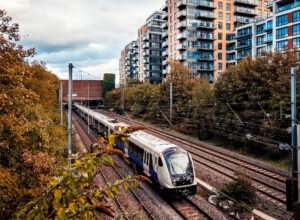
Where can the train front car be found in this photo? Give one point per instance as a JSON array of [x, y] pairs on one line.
[[181, 171]]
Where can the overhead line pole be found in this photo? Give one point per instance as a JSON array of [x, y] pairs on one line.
[[171, 102], [70, 110], [294, 134]]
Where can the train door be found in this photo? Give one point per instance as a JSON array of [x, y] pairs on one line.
[[145, 161]]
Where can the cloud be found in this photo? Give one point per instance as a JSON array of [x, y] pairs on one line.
[[89, 33]]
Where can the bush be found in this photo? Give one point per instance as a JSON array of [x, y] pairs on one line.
[[240, 190]]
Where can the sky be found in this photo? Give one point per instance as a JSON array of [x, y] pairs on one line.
[[88, 33]]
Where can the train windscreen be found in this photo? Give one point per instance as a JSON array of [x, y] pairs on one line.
[[179, 163]]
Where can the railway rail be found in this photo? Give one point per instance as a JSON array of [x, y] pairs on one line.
[[185, 207], [270, 184]]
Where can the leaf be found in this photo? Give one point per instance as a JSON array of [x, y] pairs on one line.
[[126, 186], [115, 189], [81, 201], [57, 195], [76, 163], [61, 213], [72, 207], [107, 159]]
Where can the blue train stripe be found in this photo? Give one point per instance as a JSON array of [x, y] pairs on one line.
[[138, 162]]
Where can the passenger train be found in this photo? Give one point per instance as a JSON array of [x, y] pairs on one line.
[[168, 165]]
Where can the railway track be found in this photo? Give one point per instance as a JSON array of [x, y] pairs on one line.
[[185, 207], [269, 184], [91, 138], [188, 210]]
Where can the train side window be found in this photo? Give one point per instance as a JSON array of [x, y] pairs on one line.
[[160, 162]]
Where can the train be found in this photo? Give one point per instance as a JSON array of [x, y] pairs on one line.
[[169, 166]]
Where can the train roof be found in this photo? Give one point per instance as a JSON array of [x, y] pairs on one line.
[[149, 141]]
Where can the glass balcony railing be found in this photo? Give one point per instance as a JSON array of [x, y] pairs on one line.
[[239, 46], [248, 2], [165, 44], [244, 10], [288, 7], [196, 3]]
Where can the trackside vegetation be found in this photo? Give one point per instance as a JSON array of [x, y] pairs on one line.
[[246, 109]]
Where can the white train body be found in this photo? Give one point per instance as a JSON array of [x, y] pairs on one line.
[[170, 166]]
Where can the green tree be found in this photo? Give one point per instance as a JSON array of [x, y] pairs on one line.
[[108, 82]]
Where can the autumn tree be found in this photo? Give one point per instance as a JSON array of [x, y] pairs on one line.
[[31, 140], [252, 100]]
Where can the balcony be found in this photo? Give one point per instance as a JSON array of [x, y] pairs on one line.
[[146, 61], [240, 46], [269, 28], [205, 14], [239, 56], [244, 34], [181, 14], [181, 25], [164, 34], [196, 57], [165, 44], [146, 45], [165, 16], [181, 36], [245, 20], [242, 10], [164, 62], [145, 38], [288, 7], [268, 40], [164, 26], [146, 54], [246, 2], [165, 71], [165, 53], [198, 3], [165, 6]]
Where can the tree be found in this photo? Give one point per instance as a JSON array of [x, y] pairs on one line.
[[252, 99], [108, 82], [30, 134]]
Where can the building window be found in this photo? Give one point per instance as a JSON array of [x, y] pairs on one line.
[[260, 28], [296, 42], [282, 45], [220, 36], [266, 3], [259, 3], [260, 50], [220, 45], [270, 37], [227, 6], [296, 16], [259, 12], [269, 47], [296, 29], [281, 20], [220, 56], [228, 16], [260, 40], [228, 26], [220, 66], [270, 25], [266, 13], [220, 15], [281, 33], [220, 25], [220, 5], [171, 19]]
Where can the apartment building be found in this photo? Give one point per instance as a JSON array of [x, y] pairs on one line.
[[151, 48], [128, 65], [191, 34], [231, 14], [279, 31]]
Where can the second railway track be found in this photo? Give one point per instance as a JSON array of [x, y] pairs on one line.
[[269, 184]]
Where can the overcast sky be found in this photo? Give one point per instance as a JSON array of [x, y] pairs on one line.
[[88, 33]]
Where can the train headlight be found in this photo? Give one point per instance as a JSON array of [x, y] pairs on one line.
[[191, 181], [174, 183]]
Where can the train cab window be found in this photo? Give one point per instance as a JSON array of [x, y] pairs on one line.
[[160, 163]]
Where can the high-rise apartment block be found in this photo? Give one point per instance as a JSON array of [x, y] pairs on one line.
[[129, 62], [277, 32], [150, 48], [209, 35]]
